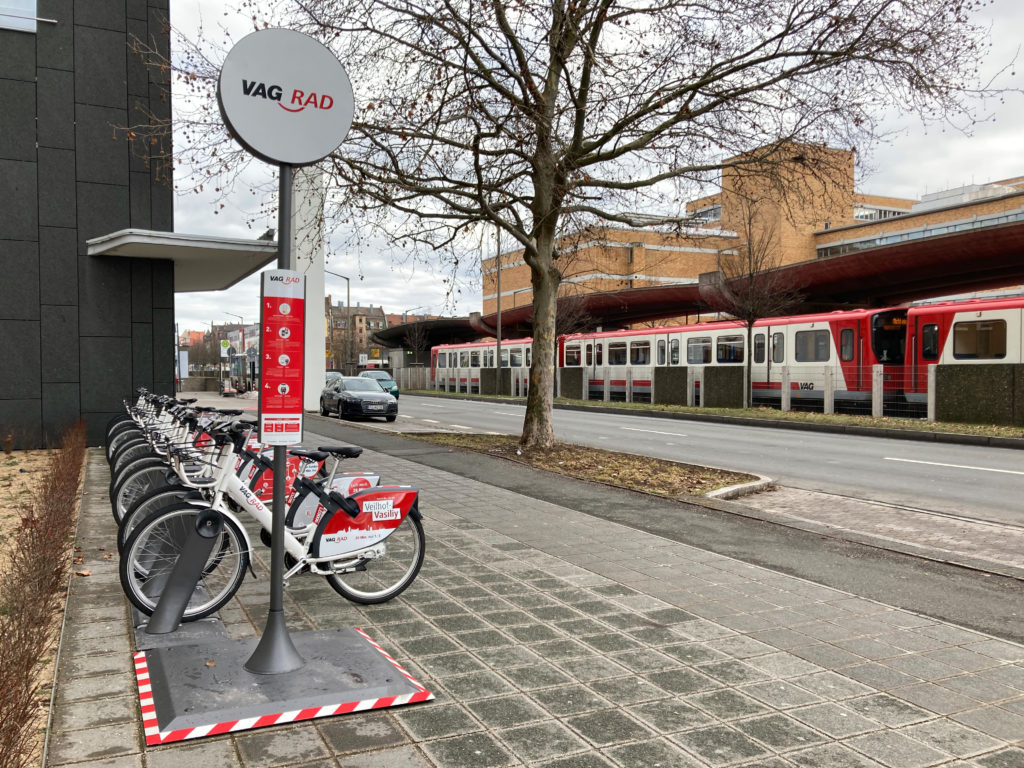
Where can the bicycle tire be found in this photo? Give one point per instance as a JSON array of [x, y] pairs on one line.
[[134, 485], [145, 506], [121, 438], [133, 466], [132, 452], [381, 579], [154, 547], [115, 423]]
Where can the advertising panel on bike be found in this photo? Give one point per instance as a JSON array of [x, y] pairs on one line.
[[282, 318]]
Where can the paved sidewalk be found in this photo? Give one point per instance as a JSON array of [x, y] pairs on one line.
[[553, 638]]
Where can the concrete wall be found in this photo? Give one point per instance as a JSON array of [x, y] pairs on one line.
[[78, 333], [980, 394]]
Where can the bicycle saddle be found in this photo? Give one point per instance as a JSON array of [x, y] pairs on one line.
[[342, 451]]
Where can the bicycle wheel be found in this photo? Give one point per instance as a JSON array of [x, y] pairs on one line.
[[134, 485], [116, 423], [131, 452], [121, 438], [130, 468], [382, 578], [153, 549], [143, 507]]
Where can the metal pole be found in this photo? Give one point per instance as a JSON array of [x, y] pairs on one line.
[[497, 259], [276, 653]]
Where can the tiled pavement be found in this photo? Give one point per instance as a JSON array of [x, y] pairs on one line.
[[552, 638]]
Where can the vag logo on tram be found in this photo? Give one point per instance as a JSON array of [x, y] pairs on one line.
[[299, 100]]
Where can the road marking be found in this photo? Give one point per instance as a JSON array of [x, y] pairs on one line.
[[956, 466], [503, 413], [653, 431], [432, 421], [458, 426]]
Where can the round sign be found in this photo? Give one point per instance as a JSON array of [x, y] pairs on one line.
[[285, 97]]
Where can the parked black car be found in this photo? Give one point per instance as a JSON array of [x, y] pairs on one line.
[[354, 396]]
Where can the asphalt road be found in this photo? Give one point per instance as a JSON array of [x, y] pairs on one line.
[[974, 481]]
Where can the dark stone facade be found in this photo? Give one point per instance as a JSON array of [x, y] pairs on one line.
[[77, 332]]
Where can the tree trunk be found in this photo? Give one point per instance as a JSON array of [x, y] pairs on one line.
[[538, 431]]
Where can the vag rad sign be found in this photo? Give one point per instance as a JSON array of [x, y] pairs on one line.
[[285, 97]]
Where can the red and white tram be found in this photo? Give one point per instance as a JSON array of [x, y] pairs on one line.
[[804, 350], [456, 367]]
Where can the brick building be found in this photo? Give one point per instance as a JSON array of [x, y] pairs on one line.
[[805, 213]]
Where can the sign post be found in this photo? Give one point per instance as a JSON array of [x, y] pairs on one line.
[[287, 100]]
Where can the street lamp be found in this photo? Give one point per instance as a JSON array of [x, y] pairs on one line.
[[245, 365], [348, 317], [405, 312]]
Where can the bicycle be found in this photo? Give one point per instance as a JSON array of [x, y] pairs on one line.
[[369, 546]]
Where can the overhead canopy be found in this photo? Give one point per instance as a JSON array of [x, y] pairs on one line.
[[201, 262]]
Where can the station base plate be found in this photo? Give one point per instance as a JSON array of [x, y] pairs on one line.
[[191, 691]]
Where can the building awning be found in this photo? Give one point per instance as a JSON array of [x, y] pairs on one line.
[[201, 262]]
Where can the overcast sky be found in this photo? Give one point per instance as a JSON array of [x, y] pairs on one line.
[[914, 162]]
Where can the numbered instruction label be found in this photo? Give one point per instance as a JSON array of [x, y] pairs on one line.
[[282, 316]]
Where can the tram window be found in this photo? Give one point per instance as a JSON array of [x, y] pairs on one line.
[[698, 350], [811, 346], [442, 360], [516, 357], [979, 340], [599, 351], [759, 352], [640, 353], [488, 358], [572, 354], [474, 358], [661, 352], [529, 352], [590, 354], [673, 352], [930, 342], [617, 353], [464, 359], [778, 347], [504, 358], [730, 349], [846, 348]]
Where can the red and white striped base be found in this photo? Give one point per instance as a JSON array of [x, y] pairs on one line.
[[154, 736]]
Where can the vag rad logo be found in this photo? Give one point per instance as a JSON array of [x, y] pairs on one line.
[[299, 99], [382, 510]]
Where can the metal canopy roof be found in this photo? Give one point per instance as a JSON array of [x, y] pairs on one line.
[[883, 276], [201, 262]]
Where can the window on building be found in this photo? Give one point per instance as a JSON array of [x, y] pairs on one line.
[[617, 353], [979, 340], [730, 349], [812, 346], [846, 346], [698, 350], [640, 353], [930, 342], [18, 14]]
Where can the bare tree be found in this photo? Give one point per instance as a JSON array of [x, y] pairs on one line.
[[417, 341], [748, 283], [545, 116]]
